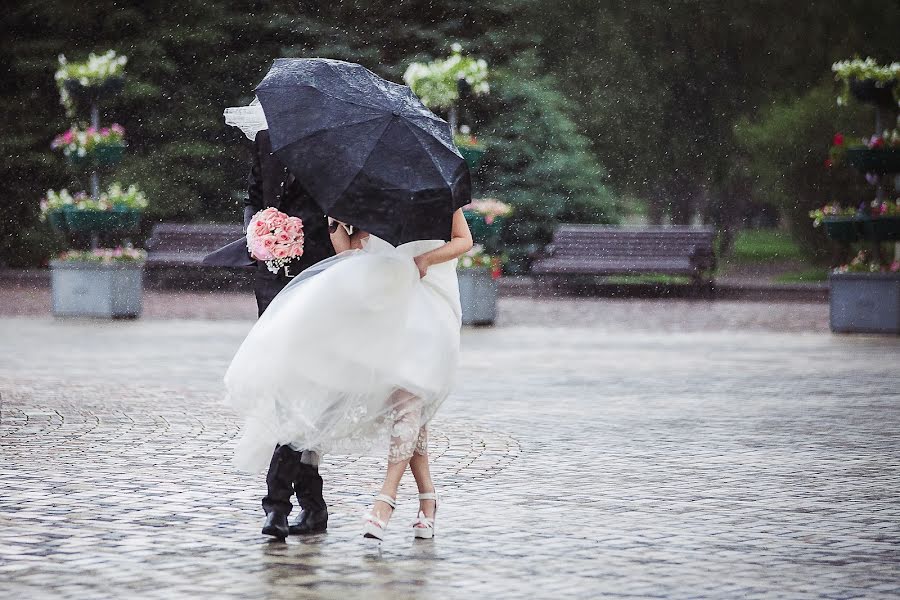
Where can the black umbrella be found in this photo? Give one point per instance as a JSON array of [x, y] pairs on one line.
[[367, 150]]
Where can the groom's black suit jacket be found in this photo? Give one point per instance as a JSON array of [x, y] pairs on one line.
[[271, 184]]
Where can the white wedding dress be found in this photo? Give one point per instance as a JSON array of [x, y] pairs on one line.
[[355, 355]]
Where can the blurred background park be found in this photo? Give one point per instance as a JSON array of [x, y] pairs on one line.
[[597, 112]]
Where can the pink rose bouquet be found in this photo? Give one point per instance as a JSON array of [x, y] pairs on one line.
[[275, 238]]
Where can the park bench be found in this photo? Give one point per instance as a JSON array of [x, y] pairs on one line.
[[596, 250], [175, 252], [185, 245]]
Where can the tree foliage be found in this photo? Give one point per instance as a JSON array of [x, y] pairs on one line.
[[650, 90], [788, 144], [189, 60]]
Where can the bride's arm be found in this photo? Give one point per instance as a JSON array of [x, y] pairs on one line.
[[460, 243], [340, 239]]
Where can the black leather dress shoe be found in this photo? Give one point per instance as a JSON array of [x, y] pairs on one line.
[[310, 521], [276, 525]]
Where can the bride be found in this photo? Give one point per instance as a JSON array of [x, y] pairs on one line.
[[356, 355]]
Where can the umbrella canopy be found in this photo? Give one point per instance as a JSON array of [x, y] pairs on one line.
[[367, 150]]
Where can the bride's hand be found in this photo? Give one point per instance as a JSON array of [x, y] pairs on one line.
[[422, 263]]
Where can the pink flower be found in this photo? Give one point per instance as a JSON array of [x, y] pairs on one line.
[[281, 251], [260, 227], [283, 237], [278, 220], [268, 241], [267, 213], [296, 249], [293, 227], [118, 128], [260, 251]]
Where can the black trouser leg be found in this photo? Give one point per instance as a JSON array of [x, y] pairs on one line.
[[308, 487], [283, 471]]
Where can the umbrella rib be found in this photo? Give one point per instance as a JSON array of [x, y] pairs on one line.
[[430, 157], [368, 156], [423, 129]]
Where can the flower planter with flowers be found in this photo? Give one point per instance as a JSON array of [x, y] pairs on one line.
[[865, 296], [117, 210], [877, 221], [868, 81], [98, 283], [487, 218], [88, 82], [469, 146], [478, 273], [92, 148], [442, 84], [865, 293]]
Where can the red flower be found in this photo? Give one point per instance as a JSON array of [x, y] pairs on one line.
[[838, 139]]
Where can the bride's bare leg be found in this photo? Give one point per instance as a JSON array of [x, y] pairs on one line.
[[421, 470], [392, 479], [408, 411]]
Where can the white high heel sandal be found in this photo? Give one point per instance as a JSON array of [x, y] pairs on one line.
[[423, 527], [373, 527]]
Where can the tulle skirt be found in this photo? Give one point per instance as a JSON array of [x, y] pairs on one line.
[[354, 356]]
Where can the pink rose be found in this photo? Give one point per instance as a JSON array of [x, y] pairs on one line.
[[260, 228], [293, 227], [280, 252], [268, 241], [296, 249], [283, 237], [278, 220], [260, 251]]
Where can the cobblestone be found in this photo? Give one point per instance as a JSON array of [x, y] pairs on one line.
[[573, 462]]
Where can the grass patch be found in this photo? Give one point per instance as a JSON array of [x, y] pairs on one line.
[[764, 245], [646, 279], [812, 275]]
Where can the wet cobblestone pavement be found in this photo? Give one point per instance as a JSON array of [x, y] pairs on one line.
[[589, 461]]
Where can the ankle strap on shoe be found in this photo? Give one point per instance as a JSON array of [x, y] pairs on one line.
[[428, 496], [387, 500]]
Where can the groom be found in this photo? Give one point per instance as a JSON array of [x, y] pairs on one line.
[[290, 471]]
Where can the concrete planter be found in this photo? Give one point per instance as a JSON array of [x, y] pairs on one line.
[[472, 155], [478, 296], [90, 289], [865, 302]]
